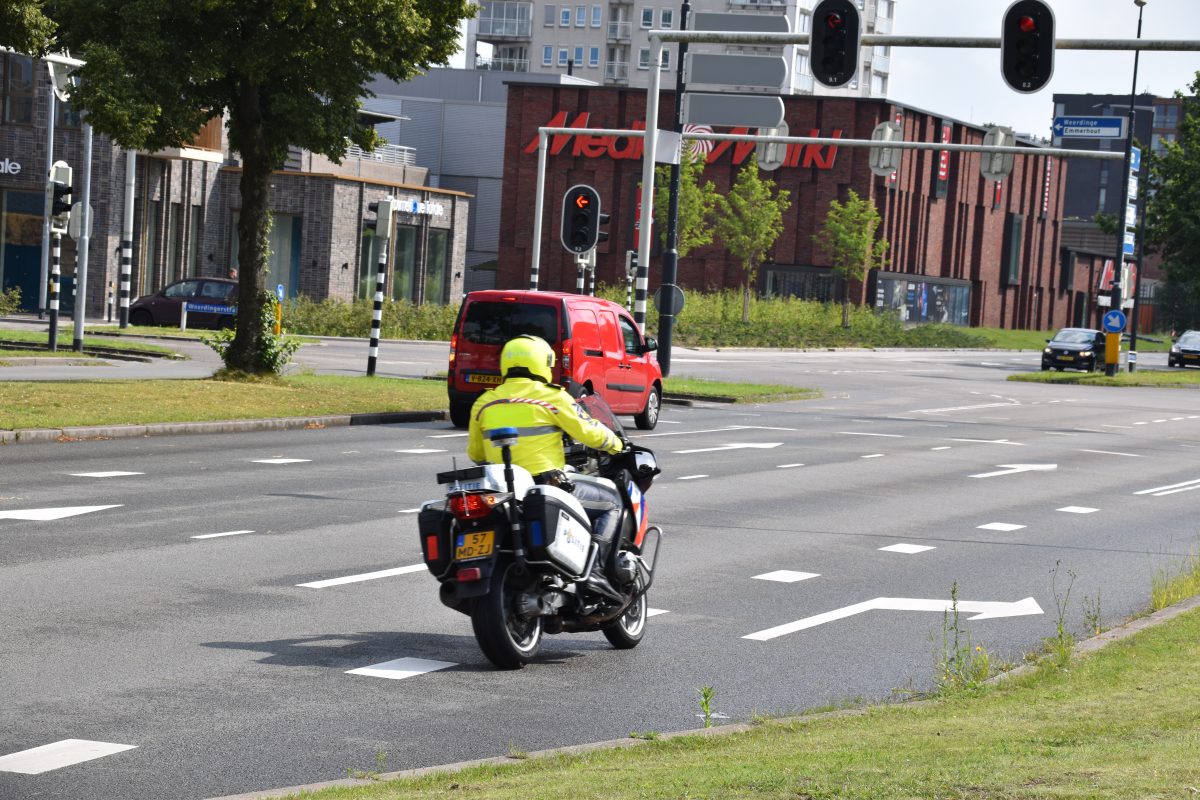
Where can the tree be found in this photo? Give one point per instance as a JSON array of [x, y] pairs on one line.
[[848, 238], [1173, 201], [284, 72], [749, 220], [24, 28], [697, 201]]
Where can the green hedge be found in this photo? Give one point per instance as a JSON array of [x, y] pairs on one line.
[[709, 319]]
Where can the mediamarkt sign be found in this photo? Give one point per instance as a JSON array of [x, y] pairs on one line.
[[588, 145]]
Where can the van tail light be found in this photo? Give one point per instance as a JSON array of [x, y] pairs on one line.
[[565, 359], [471, 505], [453, 348]]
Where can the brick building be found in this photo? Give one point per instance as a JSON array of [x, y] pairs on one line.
[[187, 202], [963, 249]]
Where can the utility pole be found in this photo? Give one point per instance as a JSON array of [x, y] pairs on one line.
[[670, 262]]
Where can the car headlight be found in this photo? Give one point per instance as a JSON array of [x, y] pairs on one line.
[[1085, 353], [1175, 349], [1047, 351]]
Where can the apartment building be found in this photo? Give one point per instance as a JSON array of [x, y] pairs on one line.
[[608, 42]]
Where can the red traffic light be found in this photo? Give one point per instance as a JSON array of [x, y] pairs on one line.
[[582, 201], [833, 21], [1027, 24]]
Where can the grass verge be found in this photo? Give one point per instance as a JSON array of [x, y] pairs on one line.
[[65, 339], [56, 404], [739, 392], [1171, 378], [1120, 723]]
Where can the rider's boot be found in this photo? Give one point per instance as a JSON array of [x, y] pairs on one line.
[[596, 582]]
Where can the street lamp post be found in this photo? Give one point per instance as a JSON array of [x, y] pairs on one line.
[[1111, 369]]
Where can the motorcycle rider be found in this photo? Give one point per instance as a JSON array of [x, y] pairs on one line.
[[541, 412]]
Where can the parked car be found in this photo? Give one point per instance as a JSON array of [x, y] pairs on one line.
[[598, 348], [1186, 350], [164, 307], [1077, 348]]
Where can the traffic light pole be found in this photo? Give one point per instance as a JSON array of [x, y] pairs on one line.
[[127, 237], [81, 257], [670, 262], [45, 259], [377, 307], [52, 296]]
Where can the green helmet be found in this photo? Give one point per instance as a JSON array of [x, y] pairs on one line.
[[527, 356]]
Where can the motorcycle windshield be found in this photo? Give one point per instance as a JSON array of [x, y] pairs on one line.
[[599, 410]]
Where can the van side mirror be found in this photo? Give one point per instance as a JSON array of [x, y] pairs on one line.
[[650, 346]]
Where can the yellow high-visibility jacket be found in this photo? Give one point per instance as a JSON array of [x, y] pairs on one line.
[[541, 413]]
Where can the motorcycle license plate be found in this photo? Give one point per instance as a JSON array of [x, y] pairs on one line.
[[474, 545]]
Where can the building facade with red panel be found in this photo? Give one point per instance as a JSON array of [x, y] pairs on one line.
[[963, 249]]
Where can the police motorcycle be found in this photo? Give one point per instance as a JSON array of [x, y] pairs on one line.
[[512, 555]]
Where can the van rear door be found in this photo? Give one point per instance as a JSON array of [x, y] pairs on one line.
[[486, 326]]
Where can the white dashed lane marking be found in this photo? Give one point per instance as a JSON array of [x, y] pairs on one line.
[[113, 474], [366, 576], [1000, 526], [48, 514], [788, 466], [1112, 453], [218, 535], [1157, 491], [857, 433], [1078, 510], [908, 549], [400, 668], [281, 460], [654, 612], [873, 455], [786, 576], [37, 760], [421, 451], [691, 477]]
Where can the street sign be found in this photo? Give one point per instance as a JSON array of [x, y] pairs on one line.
[[209, 308], [750, 111], [1133, 187], [1114, 321], [1131, 215], [279, 292], [1090, 127], [770, 155], [1130, 242], [669, 301], [74, 222], [734, 22], [1135, 159], [886, 160], [997, 166], [764, 72]]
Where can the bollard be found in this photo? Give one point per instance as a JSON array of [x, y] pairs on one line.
[[183, 316]]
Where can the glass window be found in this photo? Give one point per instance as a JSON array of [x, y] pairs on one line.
[[647, 17], [174, 232], [666, 62], [1172, 116], [1102, 199], [562, 56], [369, 265], [580, 16], [594, 57], [18, 89], [1160, 116], [883, 8], [597, 16], [666, 19], [629, 333], [548, 55], [182, 289], [644, 58], [805, 21], [496, 323], [65, 115], [436, 259], [405, 259], [549, 15], [879, 84], [193, 247], [283, 258], [21, 243], [802, 64], [579, 56], [564, 19]]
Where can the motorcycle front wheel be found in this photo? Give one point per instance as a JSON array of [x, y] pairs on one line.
[[627, 630], [508, 641]]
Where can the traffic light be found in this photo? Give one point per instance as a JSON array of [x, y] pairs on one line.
[[60, 203], [1027, 45], [581, 219], [834, 42], [602, 235], [385, 212]]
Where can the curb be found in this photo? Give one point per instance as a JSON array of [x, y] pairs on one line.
[[1086, 646], [94, 432]]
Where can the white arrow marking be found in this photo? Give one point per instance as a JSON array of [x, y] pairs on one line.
[[981, 610], [1157, 491], [1011, 469], [47, 514], [743, 446]]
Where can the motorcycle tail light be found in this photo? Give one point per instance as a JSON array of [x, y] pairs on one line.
[[469, 574], [471, 505]]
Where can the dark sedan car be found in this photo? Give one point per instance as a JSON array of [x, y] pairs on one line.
[[1077, 348], [1186, 350], [217, 295]]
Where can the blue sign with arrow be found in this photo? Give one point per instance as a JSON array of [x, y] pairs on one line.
[[1114, 321], [1090, 127]]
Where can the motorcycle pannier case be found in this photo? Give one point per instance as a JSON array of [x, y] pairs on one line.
[[556, 530]]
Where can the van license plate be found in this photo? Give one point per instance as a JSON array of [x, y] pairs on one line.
[[474, 545], [489, 380]]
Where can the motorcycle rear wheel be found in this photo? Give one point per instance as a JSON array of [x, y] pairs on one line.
[[627, 630], [508, 641]]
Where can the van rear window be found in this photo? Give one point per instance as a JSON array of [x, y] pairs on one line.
[[496, 323]]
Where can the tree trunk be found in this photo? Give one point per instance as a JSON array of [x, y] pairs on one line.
[[253, 227], [746, 301], [845, 304]]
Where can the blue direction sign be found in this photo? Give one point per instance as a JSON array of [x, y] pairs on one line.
[[209, 308], [1114, 321], [1090, 127], [1128, 244], [1135, 159]]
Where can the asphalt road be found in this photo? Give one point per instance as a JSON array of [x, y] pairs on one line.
[[208, 667]]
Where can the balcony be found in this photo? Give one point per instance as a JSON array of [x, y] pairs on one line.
[[385, 154], [620, 31], [620, 2], [881, 63], [616, 72], [501, 20], [758, 3], [503, 64]]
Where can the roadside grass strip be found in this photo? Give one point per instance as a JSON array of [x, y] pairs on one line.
[[366, 576], [57, 755]]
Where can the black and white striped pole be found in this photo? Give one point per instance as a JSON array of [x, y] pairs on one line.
[[591, 272], [383, 211], [52, 293], [127, 240]]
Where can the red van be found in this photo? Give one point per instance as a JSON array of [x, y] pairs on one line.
[[598, 348]]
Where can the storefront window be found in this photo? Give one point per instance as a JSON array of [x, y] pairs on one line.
[[16, 82], [21, 244], [919, 300], [435, 266], [368, 265], [283, 261], [405, 262]]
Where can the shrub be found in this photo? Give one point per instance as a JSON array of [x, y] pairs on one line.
[[276, 350], [10, 301], [401, 319]]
